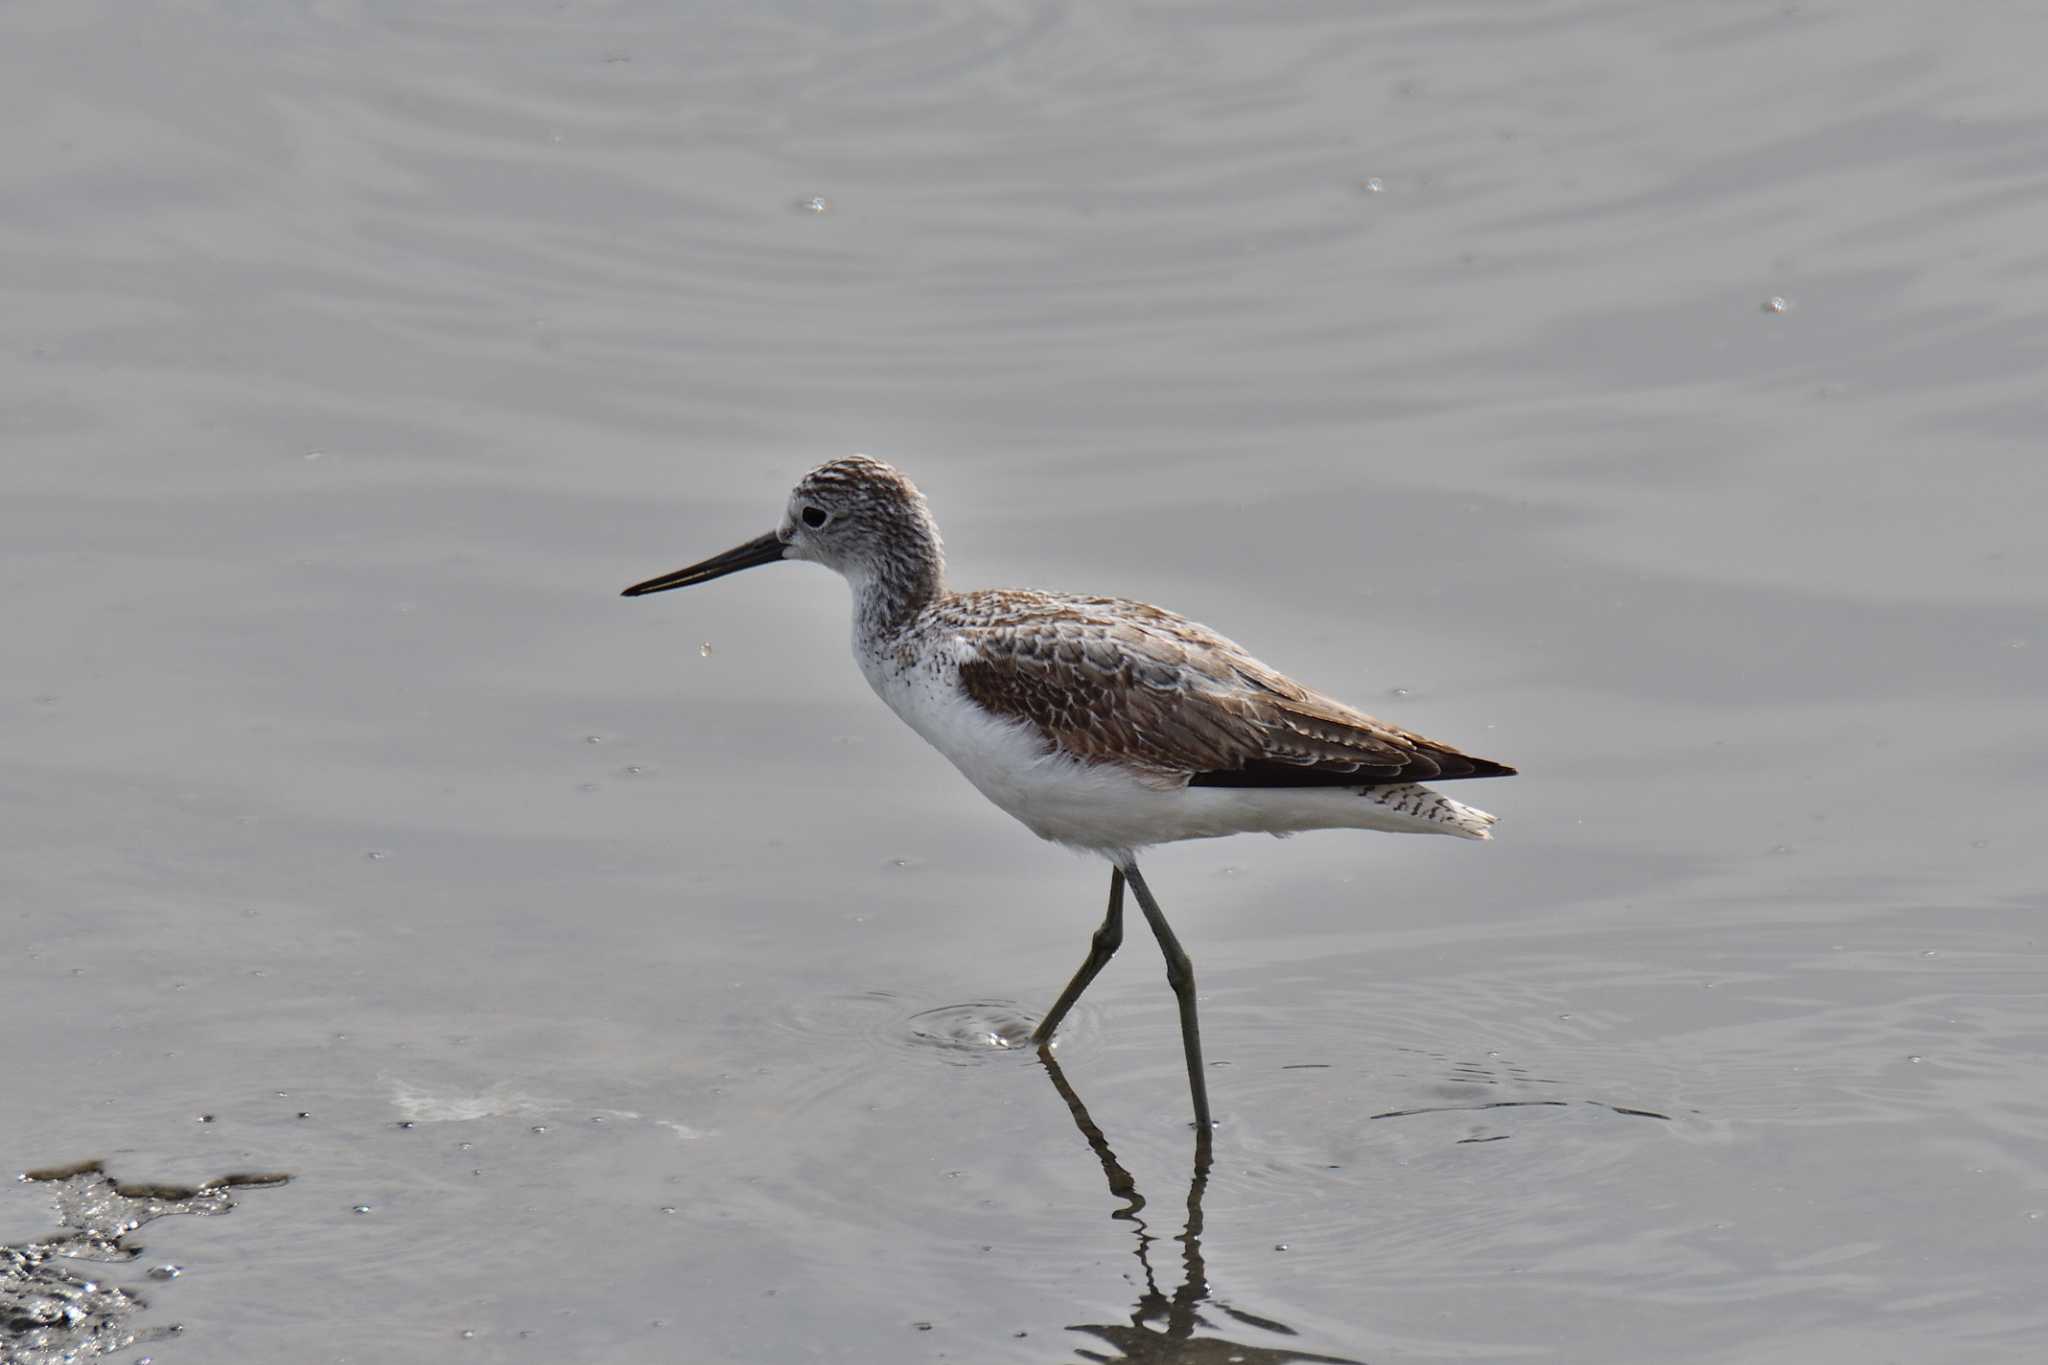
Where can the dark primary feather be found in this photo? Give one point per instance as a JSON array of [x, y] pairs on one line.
[[1112, 681]]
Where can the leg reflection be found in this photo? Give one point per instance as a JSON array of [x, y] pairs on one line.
[[1163, 1326]]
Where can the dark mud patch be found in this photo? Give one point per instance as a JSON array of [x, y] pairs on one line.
[[57, 1299]]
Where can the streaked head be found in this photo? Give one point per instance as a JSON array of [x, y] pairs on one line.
[[858, 516]]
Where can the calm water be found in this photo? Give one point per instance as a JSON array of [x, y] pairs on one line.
[[634, 969]]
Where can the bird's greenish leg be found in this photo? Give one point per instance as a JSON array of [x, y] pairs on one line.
[[1108, 938], [1180, 974]]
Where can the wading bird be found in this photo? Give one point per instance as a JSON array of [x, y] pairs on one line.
[[1103, 724]]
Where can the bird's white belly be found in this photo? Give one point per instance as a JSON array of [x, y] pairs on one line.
[[1105, 808]]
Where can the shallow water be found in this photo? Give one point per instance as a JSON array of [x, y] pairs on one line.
[[643, 981]]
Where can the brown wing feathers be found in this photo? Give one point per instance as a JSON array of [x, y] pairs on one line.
[[1176, 700]]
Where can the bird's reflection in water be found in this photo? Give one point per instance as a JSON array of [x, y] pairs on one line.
[[1163, 1327]]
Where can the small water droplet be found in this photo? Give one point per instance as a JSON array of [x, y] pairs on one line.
[[315, 455], [1373, 185], [634, 770], [538, 1128], [464, 1146], [407, 1124], [376, 855], [817, 203], [1915, 1058], [467, 1334], [1775, 304], [668, 1208], [360, 1208], [1280, 1246], [922, 1326], [1564, 1016], [593, 739], [704, 651], [206, 1118], [304, 1114], [165, 1272], [1929, 952], [1980, 843]]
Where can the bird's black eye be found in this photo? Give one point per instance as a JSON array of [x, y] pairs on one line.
[[814, 517]]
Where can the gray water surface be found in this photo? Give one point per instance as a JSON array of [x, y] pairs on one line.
[[639, 975]]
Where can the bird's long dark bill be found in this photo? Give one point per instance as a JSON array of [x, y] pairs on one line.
[[761, 550]]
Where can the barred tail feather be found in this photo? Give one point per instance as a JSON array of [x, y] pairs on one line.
[[1431, 812]]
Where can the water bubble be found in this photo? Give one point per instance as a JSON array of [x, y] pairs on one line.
[[1280, 1246], [206, 1118], [634, 770], [360, 1208], [593, 739], [668, 1208], [1915, 1058], [467, 1334], [407, 1124], [538, 1128], [1775, 304], [165, 1272], [375, 855], [464, 1146], [1373, 185], [704, 651], [922, 1326], [817, 203]]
